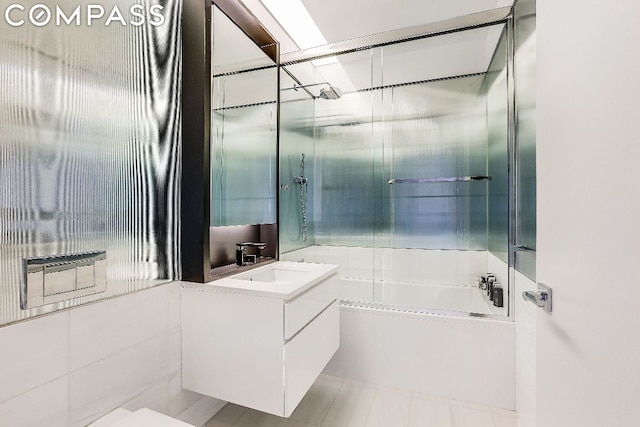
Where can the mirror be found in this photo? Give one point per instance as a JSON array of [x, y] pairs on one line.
[[244, 122], [243, 139]]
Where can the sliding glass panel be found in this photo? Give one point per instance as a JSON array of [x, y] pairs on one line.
[[498, 155], [444, 117], [344, 187], [438, 131], [429, 109], [525, 70], [297, 166]]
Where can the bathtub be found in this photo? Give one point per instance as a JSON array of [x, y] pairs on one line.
[[439, 299], [411, 319], [436, 281]]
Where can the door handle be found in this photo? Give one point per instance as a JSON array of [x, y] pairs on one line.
[[541, 298]]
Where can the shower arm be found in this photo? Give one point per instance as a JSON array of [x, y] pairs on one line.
[[297, 86]]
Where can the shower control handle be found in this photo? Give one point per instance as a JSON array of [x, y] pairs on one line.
[[541, 298]]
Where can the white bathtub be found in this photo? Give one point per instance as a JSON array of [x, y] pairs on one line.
[[414, 279], [436, 298], [393, 332]]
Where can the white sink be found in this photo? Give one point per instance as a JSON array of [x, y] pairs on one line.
[[275, 273], [280, 279]]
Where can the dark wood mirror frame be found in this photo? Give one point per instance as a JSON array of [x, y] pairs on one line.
[[195, 211]]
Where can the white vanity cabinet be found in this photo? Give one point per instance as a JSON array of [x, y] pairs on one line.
[[260, 344]]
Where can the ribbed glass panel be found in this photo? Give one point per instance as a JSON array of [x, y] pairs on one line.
[[346, 202], [345, 193], [526, 264], [498, 156], [410, 110], [437, 130], [296, 198], [525, 69], [89, 149]]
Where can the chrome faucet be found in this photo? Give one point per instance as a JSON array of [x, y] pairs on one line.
[[241, 256]]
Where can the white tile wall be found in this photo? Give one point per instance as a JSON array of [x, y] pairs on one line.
[[46, 405], [498, 267], [110, 382], [525, 353], [33, 353], [72, 367], [154, 398], [434, 267], [103, 329]]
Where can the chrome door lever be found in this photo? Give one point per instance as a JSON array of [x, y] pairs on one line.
[[542, 298]]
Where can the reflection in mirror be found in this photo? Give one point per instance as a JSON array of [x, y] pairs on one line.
[[244, 138]]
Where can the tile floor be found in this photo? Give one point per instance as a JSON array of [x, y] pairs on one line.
[[334, 402]]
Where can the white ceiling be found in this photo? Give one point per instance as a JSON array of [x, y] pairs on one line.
[[340, 20]]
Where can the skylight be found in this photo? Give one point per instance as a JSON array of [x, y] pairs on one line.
[[296, 21]]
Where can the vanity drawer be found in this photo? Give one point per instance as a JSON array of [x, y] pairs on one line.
[[306, 355], [301, 310]]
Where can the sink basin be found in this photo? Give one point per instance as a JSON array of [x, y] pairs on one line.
[[281, 279], [275, 274]]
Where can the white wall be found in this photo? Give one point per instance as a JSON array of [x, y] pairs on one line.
[[525, 313], [588, 148], [71, 367]]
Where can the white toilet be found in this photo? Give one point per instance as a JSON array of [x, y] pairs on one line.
[[141, 418]]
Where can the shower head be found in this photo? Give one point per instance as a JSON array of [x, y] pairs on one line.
[[330, 92]]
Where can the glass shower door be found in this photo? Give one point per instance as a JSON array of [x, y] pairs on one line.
[[441, 142]]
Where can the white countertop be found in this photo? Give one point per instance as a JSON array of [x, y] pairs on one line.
[[309, 275]]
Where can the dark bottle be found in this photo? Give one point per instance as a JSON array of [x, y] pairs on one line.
[[498, 295], [491, 278]]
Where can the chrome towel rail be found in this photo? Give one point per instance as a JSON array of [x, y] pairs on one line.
[[448, 179]]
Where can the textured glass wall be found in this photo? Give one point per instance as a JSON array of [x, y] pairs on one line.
[[296, 139], [428, 108], [89, 149], [346, 204], [437, 130], [495, 86], [525, 72], [346, 194]]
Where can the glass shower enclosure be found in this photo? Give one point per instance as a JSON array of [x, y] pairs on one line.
[[394, 164]]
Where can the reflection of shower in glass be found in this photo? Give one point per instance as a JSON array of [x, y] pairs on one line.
[[329, 92], [302, 181]]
